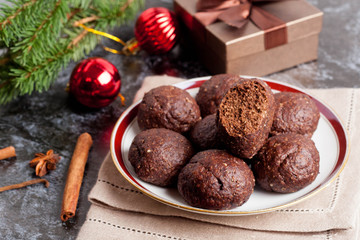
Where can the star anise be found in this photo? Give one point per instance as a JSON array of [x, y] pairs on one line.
[[44, 162]]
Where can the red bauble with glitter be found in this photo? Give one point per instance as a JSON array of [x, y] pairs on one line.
[[157, 30], [95, 82]]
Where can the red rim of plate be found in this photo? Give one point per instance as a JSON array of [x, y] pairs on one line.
[[128, 116]]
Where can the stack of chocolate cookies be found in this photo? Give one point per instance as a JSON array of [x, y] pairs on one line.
[[236, 132]]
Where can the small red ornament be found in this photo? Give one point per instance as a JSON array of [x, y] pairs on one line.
[[95, 82], [157, 30]]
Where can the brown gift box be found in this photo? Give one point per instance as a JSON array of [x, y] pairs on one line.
[[225, 49]]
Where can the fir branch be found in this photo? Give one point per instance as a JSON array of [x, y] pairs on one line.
[[27, 80], [4, 61], [76, 40], [81, 3], [5, 83], [70, 15], [7, 91], [126, 5], [39, 28], [15, 14], [15, 21], [32, 46], [94, 17], [85, 20], [46, 43]]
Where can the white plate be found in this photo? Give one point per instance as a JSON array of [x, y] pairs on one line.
[[330, 139]]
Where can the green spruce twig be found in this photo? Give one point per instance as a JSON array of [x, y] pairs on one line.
[[43, 36]]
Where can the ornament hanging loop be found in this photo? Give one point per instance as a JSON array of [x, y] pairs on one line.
[[131, 47]]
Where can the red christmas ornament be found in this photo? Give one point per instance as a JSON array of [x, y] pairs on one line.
[[95, 82], [157, 30]]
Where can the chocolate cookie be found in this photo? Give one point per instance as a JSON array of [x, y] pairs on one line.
[[204, 133], [296, 113], [286, 163], [212, 91], [214, 179], [159, 154], [168, 107], [245, 117]]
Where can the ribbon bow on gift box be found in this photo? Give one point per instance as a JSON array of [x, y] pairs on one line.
[[237, 13]]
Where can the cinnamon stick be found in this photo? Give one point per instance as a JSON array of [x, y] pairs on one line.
[[7, 152], [24, 184], [75, 176]]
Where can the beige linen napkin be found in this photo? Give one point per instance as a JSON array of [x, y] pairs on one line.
[[120, 211]]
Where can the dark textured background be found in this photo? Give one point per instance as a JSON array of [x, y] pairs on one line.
[[52, 120]]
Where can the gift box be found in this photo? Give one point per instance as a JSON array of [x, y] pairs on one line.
[[249, 50]]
